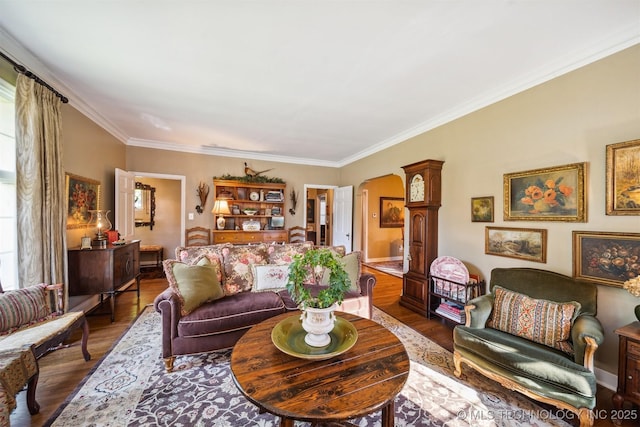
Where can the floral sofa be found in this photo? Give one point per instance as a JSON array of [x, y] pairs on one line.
[[535, 333], [217, 292]]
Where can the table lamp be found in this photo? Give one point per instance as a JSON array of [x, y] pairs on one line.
[[220, 207]]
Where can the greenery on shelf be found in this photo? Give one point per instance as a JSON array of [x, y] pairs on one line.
[[260, 179], [314, 263]]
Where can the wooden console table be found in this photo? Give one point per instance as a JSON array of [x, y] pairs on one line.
[[101, 271], [364, 379], [628, 367]]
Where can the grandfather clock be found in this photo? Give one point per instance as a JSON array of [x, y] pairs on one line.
[[423, 196]]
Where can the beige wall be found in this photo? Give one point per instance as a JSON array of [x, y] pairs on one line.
[[91, 152], [202, 168], [569, 119]]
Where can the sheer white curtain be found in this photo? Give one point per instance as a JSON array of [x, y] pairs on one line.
[[40, 185]]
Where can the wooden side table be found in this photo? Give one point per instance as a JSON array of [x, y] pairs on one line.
[[628, 365]]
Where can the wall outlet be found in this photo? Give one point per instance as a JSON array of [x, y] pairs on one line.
[[190, 216]]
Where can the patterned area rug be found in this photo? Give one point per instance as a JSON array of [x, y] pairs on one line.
[[130, 388], [393, 268]]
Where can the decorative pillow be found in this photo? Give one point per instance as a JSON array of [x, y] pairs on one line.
[[269, 277], [237, 261], [194, 284], [538, 320], [352, 264], [23, 306], [189, 253], [283, 254]]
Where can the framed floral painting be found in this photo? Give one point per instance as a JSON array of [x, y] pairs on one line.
[[529, 244], [606, 258], [623, 185], [549, 194], [83, 195], [482, 209]]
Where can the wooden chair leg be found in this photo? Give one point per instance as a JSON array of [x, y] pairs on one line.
[[85, 338], [33, 406]]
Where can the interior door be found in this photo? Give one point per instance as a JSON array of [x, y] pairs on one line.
[[125, 186], [343, 217]]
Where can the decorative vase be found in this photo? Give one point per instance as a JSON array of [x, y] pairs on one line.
[[318, 322], [637, 310]]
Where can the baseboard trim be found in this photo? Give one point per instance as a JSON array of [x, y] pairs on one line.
[[385, 259], [606, 379]]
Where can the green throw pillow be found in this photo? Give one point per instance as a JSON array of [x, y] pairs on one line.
[[194, 284], [352, 264]]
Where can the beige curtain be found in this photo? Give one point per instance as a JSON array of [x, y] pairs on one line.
[[40, 185]]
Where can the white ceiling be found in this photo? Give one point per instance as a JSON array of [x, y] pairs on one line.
[[311, 82]]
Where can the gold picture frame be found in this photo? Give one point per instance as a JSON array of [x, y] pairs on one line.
[[482, 209], [623, 188], [83, 195], [549, 194], [528, 244], [606, 258]]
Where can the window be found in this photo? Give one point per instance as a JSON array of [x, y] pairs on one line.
[[8, 225]]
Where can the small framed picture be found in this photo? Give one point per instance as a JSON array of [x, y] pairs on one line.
[[623, 188], [482, 209], [529, 244], [391, 212]]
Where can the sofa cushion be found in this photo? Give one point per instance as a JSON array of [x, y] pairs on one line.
[[239, 311], [189, 253], [542, 321], [269, 277], [237, 261], [352, 264], [531, 364], [194, 284], [23, 306], [283, 254]]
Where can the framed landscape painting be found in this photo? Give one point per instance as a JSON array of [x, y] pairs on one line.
[[529, 244], [83, 195], [549, 194], [606, 258], [623, 182], [482, 209], [391, 212]]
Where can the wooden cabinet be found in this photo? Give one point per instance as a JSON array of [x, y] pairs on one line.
[[257, 212], [104, 271], [423, 195], [628, 366]]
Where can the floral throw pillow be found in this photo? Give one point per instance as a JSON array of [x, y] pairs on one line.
[[270, 277], [538, 320], [237, 262], [283, 254]]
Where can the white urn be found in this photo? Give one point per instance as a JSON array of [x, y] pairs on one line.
[[318, 322]]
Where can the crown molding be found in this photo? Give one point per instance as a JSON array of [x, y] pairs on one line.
[[224, 152]]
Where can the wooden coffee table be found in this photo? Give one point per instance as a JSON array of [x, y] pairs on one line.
[[364, 379]]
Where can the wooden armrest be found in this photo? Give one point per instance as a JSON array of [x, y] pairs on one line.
[[59, 289], [589, 352]]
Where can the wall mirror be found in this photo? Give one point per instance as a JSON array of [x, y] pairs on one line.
[[145, 205]]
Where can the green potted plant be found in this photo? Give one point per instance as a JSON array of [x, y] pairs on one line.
[[318, 316]]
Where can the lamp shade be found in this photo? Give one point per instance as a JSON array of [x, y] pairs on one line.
[[220, 207]]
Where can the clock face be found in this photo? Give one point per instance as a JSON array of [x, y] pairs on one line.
[[417, 189]]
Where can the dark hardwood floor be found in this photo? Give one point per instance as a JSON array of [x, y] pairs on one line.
[[62, 370]]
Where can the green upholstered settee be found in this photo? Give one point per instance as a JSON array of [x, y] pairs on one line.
[[522, 302]]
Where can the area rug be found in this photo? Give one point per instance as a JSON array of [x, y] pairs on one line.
[[129, 387], [393, 268]]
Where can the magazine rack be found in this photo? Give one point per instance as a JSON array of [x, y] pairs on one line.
[[448, 298]]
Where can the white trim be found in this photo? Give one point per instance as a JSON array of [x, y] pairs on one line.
[[606, 379]]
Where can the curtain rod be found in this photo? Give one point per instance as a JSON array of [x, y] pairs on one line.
[[23, 70]]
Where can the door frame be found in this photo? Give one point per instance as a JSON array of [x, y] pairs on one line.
[[183, 188], [304, 202]]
